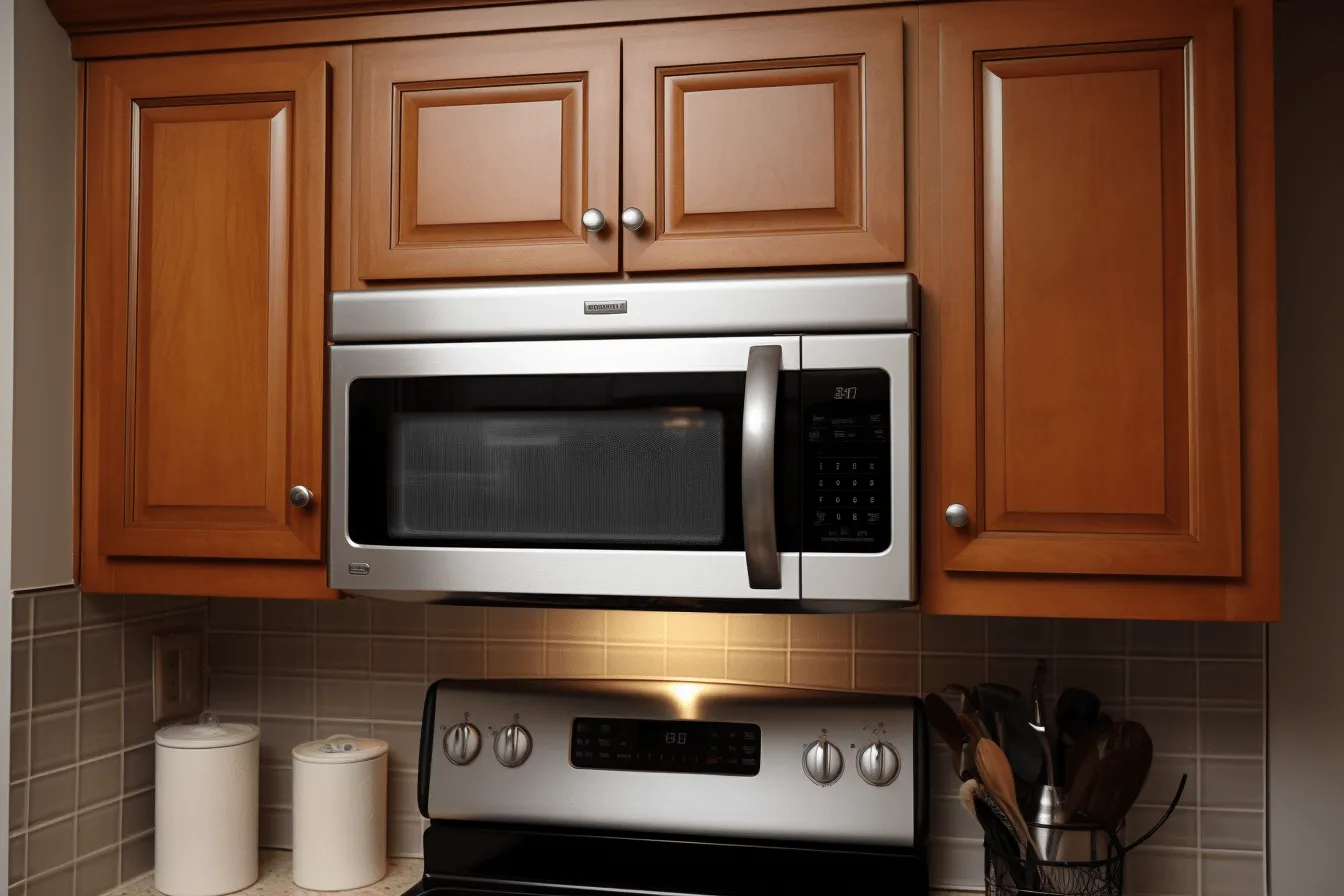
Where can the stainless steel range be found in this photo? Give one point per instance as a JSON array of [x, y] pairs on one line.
[[627, 787]]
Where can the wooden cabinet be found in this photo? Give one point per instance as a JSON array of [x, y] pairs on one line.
[[204, 329], [1082, 334], [754, 143]]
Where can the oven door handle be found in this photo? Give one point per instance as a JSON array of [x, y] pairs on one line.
[[758, 466]]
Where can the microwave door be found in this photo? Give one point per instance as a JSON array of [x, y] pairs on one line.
[[660, 468]]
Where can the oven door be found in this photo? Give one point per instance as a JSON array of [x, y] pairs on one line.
[[664, 468]]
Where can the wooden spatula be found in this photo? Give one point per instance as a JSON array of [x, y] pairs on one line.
[[996, 774]]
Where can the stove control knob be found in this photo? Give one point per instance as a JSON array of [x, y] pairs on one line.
[[823, 761], [462, 743], [513, 744], [879, 763]]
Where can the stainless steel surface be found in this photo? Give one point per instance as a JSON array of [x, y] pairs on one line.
[[513, 744], [890, 575], [632, 219], [432, 573], [957, 515], [758, 466], [779, 802], [461, 743], [882, 303], [823, 762], [879, 764], [300, 496], [593, 220]]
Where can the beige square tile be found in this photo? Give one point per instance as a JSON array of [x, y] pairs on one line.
[[286, 696], [636, 627], [1234, 874], [18, 806], [19, 889], [1232, 732], [51, 846], [276, 829], [1162, 639], [887, 630], [822, 669], [234, 693], [57, 883], [1232, 682], [1090, 637], [821, 632], [340, 698], [51, 796], [952, 634], [1162, 681], [279, 737], [323, 728], [628, 661], [947, 819], [401, 795], [55, 669], [99, 828], [1103, 677], [455, 659], [1232, 784], [137, 649], [958, 864], [1231, 639], [514, 659], [1030, 637], [20, 676], [18, 747], [758, 666], [137, 857], [288, 616], [570, 625], [96, 874], [763, 632], [404, 837], [1181, 830], [347, 616], [234, 651], [276, 787], [403, 744], [451, 621], [697, 662], [390, 617], [21, 615], [1162, 872], [18, 857], [138, 769], [886, 673], [397, 701], [101, 609], [99, 660], [401, 657], [1173, 730], [292, 652], [100, 780], [515, 624], [575, 660], [697, 630], [56, 611], [235, 614], [345, 655], [937, 672], [1163, 779], [137, 717], [1232, 830], [53, 740]]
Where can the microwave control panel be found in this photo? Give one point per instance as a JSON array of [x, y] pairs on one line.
[[846, 461]]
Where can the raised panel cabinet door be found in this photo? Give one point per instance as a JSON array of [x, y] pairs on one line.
[[765, 141], [1084, 289], [478, 156], [205, 297]]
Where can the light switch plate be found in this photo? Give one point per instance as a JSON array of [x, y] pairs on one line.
[[179, 675]]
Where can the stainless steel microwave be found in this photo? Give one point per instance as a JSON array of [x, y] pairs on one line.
[[725, 444]]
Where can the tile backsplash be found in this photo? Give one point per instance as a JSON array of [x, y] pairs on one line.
[[360, 667]]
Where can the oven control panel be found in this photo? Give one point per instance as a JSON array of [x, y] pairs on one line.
[[846, 461], [652, 745]]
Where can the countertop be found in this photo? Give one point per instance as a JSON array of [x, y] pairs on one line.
[[276, 880]]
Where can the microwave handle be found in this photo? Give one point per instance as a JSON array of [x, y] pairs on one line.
[[758, 466]]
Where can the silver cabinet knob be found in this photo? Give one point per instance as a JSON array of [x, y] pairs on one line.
[[957, 515], [632, 219], [879, 763], [461, 743], [823, 761], [300, 496], [594, 220], [513, 744]]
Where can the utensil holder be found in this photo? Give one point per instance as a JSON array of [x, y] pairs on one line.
[[1103, 874]]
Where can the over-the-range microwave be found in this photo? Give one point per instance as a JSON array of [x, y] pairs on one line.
[[728, 444]]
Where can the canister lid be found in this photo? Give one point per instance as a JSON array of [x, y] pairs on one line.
[[340, 748], [206, 733]]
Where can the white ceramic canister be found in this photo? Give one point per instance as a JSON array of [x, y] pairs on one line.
[[340, 813], [205, 808]]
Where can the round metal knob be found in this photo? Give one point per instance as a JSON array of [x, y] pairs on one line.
[[879, 763], [822, 761], [462, 743], [513, 744], [957, 515], [632, 219], [300, 496], [593, 220]]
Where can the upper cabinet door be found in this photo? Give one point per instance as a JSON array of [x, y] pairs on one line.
[[1082, 290], [205, 295], [478, 156], [760, 142]]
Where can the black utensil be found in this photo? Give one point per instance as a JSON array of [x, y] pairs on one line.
[[1013, 729], [1076, 712], [1038, 720]]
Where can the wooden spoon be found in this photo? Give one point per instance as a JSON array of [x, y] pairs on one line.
[[1120, 775], [996, 774]]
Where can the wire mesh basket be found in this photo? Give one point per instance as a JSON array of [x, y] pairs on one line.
[[1102, 874]]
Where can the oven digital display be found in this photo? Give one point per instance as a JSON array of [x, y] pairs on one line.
[[643, 745]]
